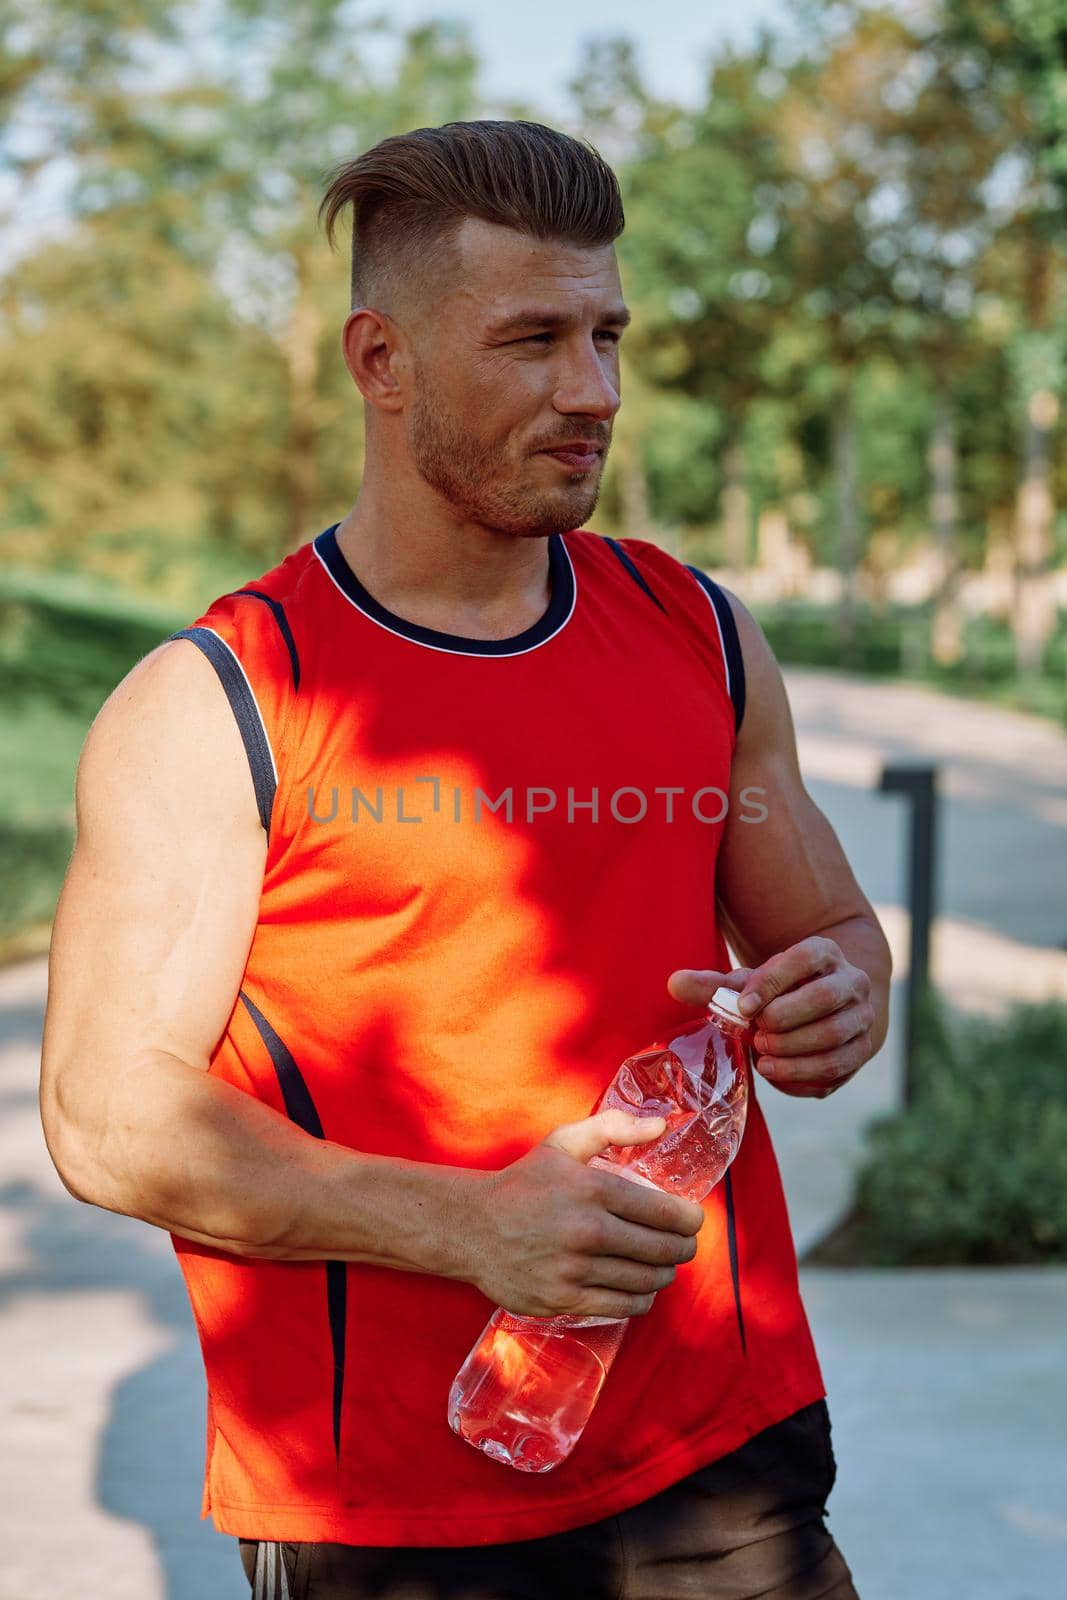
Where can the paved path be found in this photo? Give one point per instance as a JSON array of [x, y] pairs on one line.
[[948, 1401], [1001, 883], [947, 1389]]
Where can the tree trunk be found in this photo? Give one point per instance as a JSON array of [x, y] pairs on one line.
[[1035, 612], [947, 639], [775, 555], [843, 433], [633, 493], [1035, 615], [735, 506]]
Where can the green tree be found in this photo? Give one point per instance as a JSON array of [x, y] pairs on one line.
[[113, 335], [173, 357], [300, 96], [701, 256], [1016, 57]]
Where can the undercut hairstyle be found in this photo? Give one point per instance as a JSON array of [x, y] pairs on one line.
[[409, 195]]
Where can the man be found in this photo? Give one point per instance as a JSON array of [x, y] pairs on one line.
[[382, 868]]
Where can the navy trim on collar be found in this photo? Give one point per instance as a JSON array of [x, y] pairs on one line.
[[560, 606]]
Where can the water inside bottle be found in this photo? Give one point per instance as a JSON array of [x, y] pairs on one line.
[[527, 1388], [703, 1101], [525, 1392]]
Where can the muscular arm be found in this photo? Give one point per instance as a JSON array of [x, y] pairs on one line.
[[151, 938], [817, 964], [787, 878]]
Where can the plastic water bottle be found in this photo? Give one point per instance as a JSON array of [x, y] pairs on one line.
[[529, 1385]]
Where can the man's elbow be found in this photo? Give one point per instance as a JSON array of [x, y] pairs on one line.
[[65, 1148], [880, 973]]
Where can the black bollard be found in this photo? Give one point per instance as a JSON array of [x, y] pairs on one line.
[[920, 785]]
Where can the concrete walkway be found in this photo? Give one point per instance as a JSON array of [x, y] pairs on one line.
[[947, 1389], [1000, 885]]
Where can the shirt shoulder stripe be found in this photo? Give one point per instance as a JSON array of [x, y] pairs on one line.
[[278, 612], [247, 715], [729, 642], [631, 567]]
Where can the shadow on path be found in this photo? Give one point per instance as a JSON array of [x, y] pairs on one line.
[[149, 1456]]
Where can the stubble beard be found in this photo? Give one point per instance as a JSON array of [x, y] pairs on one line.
[[482, 483]]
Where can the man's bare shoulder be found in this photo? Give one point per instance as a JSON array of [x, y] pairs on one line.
[[167, 732], [767, 725]]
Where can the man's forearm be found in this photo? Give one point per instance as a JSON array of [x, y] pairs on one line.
[[201, 1158], [864, 945]]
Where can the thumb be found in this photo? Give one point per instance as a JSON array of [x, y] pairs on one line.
[[694, 988], [586, 1139]]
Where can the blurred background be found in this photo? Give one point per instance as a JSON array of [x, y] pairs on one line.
[[845, 395]]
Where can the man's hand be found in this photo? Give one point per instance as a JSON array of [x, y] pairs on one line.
[[553, 1237], [812, 1011]]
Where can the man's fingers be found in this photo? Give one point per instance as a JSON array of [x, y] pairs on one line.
[[782, 972], [695, 987], [611, 1303], [824, 996], [634, 1277], [647, 1212], [813, 1038], [814, 1073]]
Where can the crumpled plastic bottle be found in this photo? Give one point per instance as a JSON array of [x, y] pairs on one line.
[[528, 1387]]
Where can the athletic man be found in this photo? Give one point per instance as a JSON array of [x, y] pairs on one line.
[[382, 867]]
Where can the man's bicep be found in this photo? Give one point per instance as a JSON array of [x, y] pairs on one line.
[[781, 879], [159, 906], [782, 873]]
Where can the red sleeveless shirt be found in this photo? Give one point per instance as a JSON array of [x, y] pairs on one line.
[[485, 858]]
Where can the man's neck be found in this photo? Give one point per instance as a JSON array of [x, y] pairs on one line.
[[459, 578]]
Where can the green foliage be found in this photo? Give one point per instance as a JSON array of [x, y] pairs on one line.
[[33, 860], [173, 360], [801, 633], [69, 644], [818, 232], [64, 645], [975, 1172], [895, 641]]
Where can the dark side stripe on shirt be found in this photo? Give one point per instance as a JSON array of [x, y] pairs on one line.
[[301, 1110]]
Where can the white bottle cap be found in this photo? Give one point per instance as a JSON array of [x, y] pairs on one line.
[[726, 1000]]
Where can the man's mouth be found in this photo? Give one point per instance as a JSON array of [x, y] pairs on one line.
[[577, 455]]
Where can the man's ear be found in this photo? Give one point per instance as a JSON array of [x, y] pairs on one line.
[[375, 350]]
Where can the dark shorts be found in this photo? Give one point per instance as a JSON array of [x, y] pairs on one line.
[[751, 1524]]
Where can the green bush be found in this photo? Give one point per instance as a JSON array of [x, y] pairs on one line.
[[897, 642], [73, 648], [804, 633], [976, 1170], [33, 860], [64, 645]]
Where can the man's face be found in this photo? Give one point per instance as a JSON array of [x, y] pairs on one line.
[[519, 356]]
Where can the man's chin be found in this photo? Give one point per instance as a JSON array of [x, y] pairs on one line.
[[569, 508]]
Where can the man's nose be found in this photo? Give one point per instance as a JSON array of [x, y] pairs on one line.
[[587, 385]]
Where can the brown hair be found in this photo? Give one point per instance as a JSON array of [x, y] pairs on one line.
[[410, 193]]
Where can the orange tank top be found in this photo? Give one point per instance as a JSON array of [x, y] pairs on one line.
[[485, 858]]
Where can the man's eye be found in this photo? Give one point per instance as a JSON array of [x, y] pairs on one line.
[[538, 338]]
